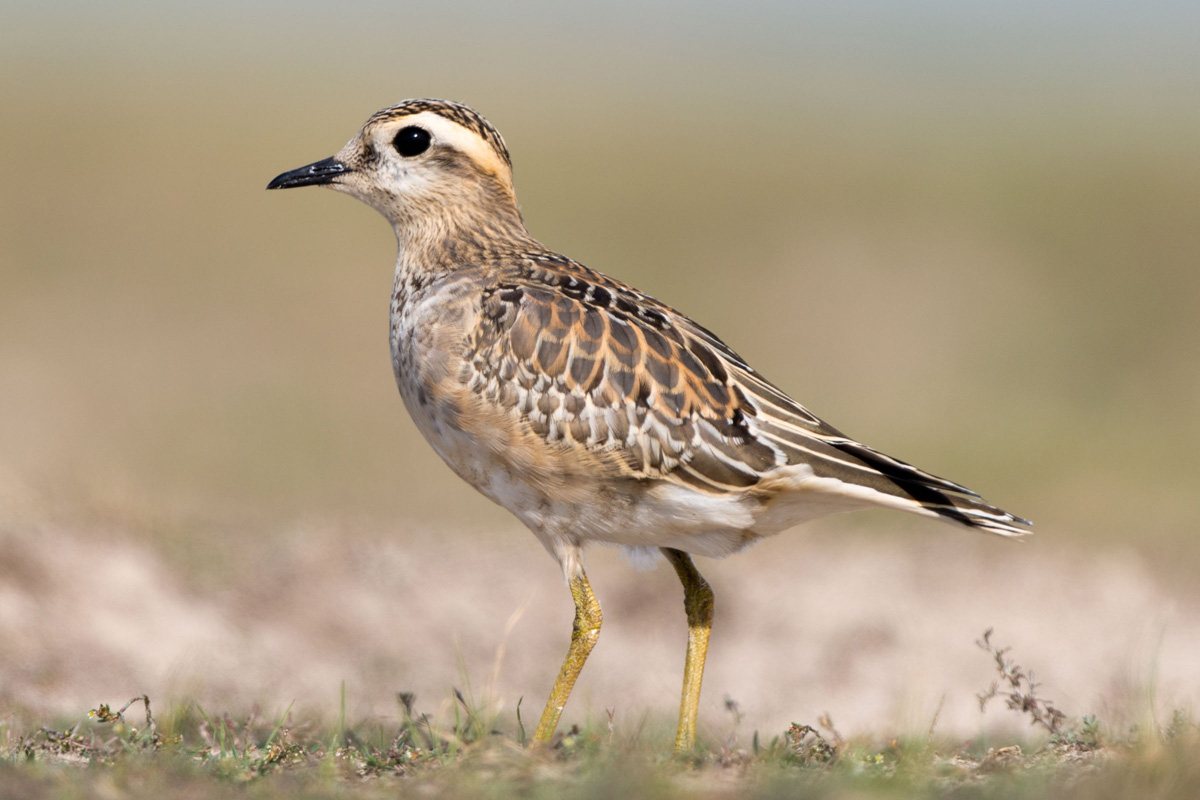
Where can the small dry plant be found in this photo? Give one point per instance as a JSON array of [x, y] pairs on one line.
[[1018, 689], [808, 746]]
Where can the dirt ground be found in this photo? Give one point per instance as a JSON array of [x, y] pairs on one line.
[[872, 619]]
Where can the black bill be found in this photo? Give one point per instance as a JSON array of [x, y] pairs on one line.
[[315, 174]]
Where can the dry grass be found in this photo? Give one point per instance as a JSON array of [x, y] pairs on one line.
[[244, 664], [475, 753], [872, 628]]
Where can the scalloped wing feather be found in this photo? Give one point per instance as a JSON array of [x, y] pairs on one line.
[[589, 362]]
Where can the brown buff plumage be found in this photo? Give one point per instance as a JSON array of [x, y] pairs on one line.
[[590, 410]]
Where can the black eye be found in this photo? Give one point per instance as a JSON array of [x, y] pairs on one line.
[[411, 141]]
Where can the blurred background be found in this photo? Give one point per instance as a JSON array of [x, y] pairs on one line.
[[965, 234]]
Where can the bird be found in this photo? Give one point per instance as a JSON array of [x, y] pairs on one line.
[[590, 410]]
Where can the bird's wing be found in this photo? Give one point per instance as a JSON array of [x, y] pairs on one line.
[[590, 362]]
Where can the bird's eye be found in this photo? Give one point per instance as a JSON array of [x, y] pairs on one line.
[[411, 141]]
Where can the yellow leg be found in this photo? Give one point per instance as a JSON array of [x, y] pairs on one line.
[[698, 602], [584, 634]]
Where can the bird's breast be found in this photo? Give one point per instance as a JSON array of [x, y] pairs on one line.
[[431, 326]]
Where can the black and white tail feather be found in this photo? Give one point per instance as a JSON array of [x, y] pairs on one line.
[[801, 437]]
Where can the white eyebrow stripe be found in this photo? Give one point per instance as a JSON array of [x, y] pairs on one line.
[[463, 139]]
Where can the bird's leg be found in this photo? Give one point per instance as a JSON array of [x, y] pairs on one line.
[[584, 634], [698, 602]]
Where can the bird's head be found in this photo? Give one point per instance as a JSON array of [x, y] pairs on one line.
[[433, 168]]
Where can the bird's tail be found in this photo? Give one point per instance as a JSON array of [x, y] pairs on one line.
[[851, 475], [923, 493]]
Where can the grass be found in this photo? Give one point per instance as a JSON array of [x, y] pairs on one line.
[[192, 752]]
